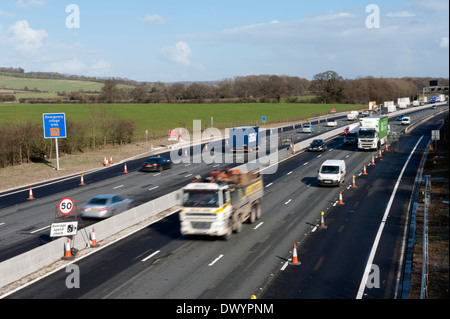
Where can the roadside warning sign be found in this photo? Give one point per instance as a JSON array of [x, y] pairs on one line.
[[66, 206], [64, 229]]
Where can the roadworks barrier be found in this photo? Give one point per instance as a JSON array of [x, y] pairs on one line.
[[24, 268]]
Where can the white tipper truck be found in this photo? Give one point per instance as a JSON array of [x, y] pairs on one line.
[[219, 204]]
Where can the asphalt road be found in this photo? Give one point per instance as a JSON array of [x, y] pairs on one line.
[[158, 262]]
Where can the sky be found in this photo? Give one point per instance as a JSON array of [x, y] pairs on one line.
[[199, 40]]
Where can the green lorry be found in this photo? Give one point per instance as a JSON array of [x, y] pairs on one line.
[[373, 132]]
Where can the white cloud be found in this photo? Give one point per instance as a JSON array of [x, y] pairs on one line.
[[444, 43], [153, 18], [21, 4], [71, 66], [400, 14], [24, 38], [179, 53]]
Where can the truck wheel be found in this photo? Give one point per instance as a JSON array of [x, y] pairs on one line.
[[227, 236], [258, 211], [238, 225], [252, 217]]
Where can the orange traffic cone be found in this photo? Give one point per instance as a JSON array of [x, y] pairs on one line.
[[105, 162], [406, 130], [30, 195], [353, 183], [93, 239], [68, 255], [380, 156], [125, 169], [294, 257], [386, 148], [322, 222], [373, 161], [340, 198], [364, 172], [82, 180], [110, 160]]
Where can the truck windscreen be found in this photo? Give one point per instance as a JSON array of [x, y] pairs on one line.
[[366, 134], [201, 198]]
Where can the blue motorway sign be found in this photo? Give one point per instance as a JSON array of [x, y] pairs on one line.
[[54, 125]]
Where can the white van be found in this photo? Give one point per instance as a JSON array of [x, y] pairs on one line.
[[332, 173]]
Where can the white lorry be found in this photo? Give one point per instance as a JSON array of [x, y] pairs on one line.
[[403, 102], [219, 204], [353, 116], [373, 132]]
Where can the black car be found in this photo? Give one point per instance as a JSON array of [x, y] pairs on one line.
[[351, 138], [318, 145], [156, 163]]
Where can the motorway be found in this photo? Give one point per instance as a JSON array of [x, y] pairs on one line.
[[157, 262]]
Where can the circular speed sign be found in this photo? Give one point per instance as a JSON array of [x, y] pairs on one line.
[[66, 206]]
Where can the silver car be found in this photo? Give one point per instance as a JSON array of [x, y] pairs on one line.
[[104, 206]]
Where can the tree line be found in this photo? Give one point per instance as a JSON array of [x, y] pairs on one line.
[[25, 142], [326, 87]]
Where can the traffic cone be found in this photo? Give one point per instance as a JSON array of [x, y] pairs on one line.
[[30, 195], [373, 161], [340, 198], [110, 160], [125, 169], [105, 162], [294, 257], [386, 148], [322, 222], [353, 183], [406, 130], [93, 239], [364, 172], [185, 153], [68, 254], [380, 156], [82, 180]]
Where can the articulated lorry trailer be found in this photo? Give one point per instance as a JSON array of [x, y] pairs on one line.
[[373, 132], [221, 203], [244, 138]]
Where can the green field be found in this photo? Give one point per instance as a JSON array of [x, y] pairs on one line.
[[50, 85], [157, 117]]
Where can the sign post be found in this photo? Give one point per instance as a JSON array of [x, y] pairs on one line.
[[55, 127]]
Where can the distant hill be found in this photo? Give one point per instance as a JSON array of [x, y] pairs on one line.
[[18, 79]]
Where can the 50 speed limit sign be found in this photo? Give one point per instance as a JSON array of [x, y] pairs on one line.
[[66, 206]]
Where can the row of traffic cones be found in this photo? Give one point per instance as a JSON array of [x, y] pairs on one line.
[[295, 260], [82, 183], [70, 255]]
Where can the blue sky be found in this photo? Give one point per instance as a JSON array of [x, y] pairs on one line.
[[200, 40]]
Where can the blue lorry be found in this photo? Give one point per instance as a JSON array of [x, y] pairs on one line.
[[244, 138]]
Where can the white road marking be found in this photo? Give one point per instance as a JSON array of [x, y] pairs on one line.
[[155, 187], [118, 187], [257, 226], [306, 163], [288, 202], [188, 175], [284, 266], [38, 230], [289, 173], [270, 184], [215, 260], [368, 268], [148, 257]]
